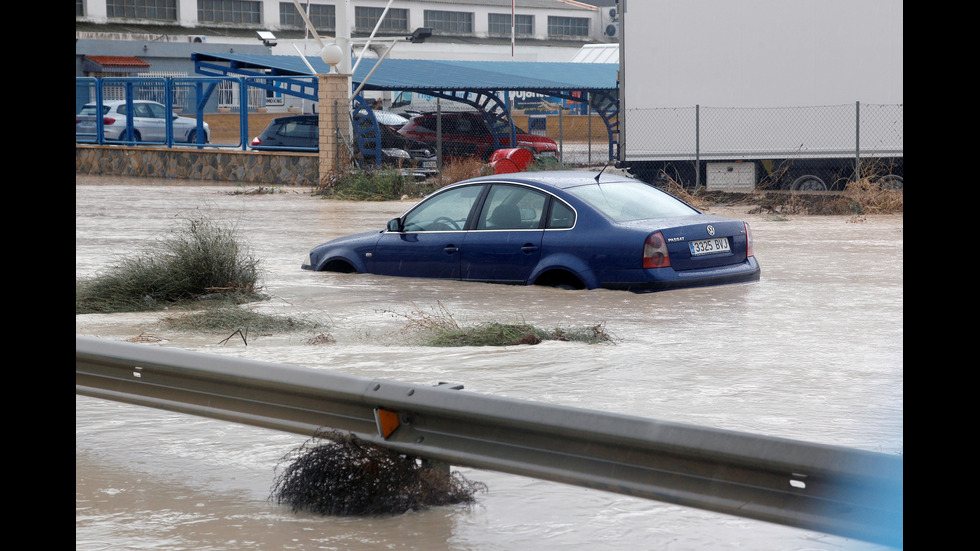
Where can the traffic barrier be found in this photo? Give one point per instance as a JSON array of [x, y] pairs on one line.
[[847, 492]]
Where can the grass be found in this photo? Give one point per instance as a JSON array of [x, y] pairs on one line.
[[234, 320], [200, 261], [230, 318], [391, 185], [439, 327]]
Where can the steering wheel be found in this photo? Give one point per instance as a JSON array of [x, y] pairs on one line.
[[446, 220]]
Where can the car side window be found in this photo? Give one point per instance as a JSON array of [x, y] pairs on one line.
[[510, 207], [447, 211], [155, 111], [142, 110], [562, 216]]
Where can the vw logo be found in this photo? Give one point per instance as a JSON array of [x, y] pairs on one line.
[[711, 229]]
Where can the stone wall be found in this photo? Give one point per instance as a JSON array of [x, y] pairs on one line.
[[247, 167]]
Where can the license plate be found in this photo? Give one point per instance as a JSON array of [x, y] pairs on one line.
[[709, 246], [428, 164]]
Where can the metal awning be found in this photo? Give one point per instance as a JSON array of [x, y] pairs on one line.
[[409, 74], [477, 83]]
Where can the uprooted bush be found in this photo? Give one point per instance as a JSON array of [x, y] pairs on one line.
[[199, 259], [440, 328], [341, 475], [394, 185], [371, 185]]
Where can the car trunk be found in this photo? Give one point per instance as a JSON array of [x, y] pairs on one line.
[[706, 244]]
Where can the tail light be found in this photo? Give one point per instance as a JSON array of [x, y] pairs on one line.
[[256, 141], [655, 252], [106, 121], [749, 249]]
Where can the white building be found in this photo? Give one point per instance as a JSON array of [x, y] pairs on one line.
[[543, 30], [156, 38]]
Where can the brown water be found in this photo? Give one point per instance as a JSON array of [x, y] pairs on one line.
[[813, 351]]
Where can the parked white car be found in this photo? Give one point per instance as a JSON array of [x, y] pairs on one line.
[[149, 123]]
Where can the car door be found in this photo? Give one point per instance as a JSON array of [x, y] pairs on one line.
[[505, 244], [431, 237], [150, 119]]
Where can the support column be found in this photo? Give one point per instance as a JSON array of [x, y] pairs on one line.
[[333, 96]]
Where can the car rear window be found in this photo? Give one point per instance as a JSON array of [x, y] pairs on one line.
[[625, 201], [91, 110]]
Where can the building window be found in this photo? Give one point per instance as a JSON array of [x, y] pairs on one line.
[[568, 26], [323, 16], [499, 24], [79, 8], [157, 10], [366, 18], [229, 11], [449, 22]]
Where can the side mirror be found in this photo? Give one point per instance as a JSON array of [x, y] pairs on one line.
[[395, 225]]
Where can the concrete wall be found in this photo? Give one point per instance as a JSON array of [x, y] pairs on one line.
[[246, 167]]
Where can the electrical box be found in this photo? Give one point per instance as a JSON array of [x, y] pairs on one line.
[[731, 176]]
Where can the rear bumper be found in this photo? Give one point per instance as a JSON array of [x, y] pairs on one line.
[[667, 278]]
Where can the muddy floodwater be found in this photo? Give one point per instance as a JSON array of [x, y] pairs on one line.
[[813, 351]]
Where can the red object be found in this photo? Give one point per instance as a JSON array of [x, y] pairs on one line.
[[515, 159]]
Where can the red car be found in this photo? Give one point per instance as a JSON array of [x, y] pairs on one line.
[[468, 134]]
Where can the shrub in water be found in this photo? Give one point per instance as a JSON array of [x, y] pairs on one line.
[[200, 258]]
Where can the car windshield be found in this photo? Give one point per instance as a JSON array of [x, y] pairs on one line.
[[625, 201]]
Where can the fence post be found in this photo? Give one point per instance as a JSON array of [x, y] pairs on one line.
[[697, 147], [857, 140], [243, 111]]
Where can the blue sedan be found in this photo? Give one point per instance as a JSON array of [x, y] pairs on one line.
[[569, 229]]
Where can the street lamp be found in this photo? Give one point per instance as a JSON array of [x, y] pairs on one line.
[[268, 39]]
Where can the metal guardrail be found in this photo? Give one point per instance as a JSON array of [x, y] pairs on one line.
[[841, 491]]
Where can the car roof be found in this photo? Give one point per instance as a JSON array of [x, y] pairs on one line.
[[449, 114], [119, 101], [555, 179], [288, 117]]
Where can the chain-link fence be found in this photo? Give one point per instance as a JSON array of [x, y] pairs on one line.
[[813, 148], [816, 148]]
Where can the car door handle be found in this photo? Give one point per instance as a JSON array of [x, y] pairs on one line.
[[529, 248], [451, 249]]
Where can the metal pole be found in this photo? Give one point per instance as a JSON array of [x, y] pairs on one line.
[[561, 133], [439, 134], [857, 140], [588, 109], [697, 147]]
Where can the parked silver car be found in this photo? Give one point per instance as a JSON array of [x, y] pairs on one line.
[[149, 123]]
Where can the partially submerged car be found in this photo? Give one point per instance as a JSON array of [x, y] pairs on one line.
[[569, 229]]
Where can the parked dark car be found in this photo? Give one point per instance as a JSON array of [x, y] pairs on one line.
[[561, 229], [301, 133], [468, 134]]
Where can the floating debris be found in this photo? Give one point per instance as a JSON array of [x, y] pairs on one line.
[[341, 475]]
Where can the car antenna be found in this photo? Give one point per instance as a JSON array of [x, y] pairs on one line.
[[601, 171]]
